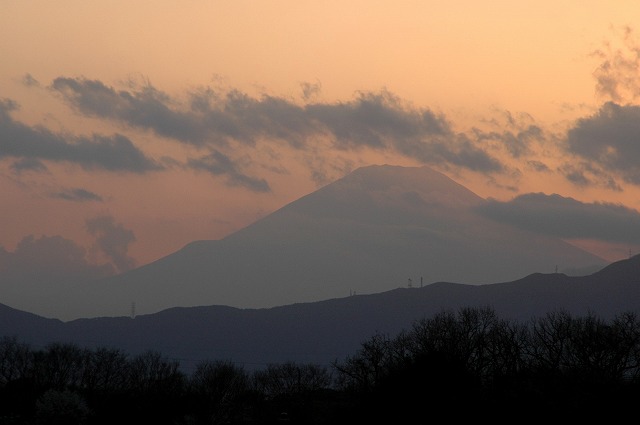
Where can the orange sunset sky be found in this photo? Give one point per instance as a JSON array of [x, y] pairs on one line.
[[129, 129]]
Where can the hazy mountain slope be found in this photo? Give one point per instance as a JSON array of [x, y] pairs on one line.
[[323, 331], [369, 232]]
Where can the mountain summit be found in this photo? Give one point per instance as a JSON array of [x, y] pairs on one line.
[[378, 228]]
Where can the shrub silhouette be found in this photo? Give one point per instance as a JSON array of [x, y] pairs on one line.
[[61, 408]]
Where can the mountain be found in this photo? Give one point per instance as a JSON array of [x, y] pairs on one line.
[[323, 331], [368, 232], [371, 231]]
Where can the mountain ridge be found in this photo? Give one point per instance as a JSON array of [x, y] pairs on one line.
[[323, 331]]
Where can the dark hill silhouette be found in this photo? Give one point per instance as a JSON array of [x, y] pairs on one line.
[[368, 232], [28, 326], [323, 331]]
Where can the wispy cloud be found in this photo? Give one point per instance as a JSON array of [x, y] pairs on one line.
[[113, 240], [218, 163], [538, 165], [28, 164], [77, 195], [29, 81], [517, 144], [618, 74]]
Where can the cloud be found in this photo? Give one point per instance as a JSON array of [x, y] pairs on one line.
[[146, 108], [77, 195], [380, 121], [538, 165], [210, 119], [28, 164], [567, 218], [310, 90], [113, 240], [47, 260], [29, 81], [618, 74], [575, 173], [216, 120], [609, 139], [218, 163], [42, 272], [517, 144], [115, 153]]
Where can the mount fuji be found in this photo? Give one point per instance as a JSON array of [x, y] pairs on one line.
[[379, 228]]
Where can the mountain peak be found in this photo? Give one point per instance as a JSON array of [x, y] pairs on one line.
[[387, 194], [423, 180]]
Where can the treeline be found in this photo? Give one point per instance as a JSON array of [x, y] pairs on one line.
[[468, 364], [65, 384]]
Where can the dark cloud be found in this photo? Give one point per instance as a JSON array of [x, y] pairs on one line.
[[517, 144], [538, 165], [310, 90], [463, 153], [269, 117], [115, 153], [584, 174], [609, 139], [612, 184], [209, 119], [218, 163], [113, 240], [146, 107], [6, 106], [378, 120], [28, 164], [567, 218], [575, 173], [77, 195]]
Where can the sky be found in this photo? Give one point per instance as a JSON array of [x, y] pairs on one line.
[[129, 129]]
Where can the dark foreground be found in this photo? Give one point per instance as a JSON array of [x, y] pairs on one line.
[[465, 365]]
